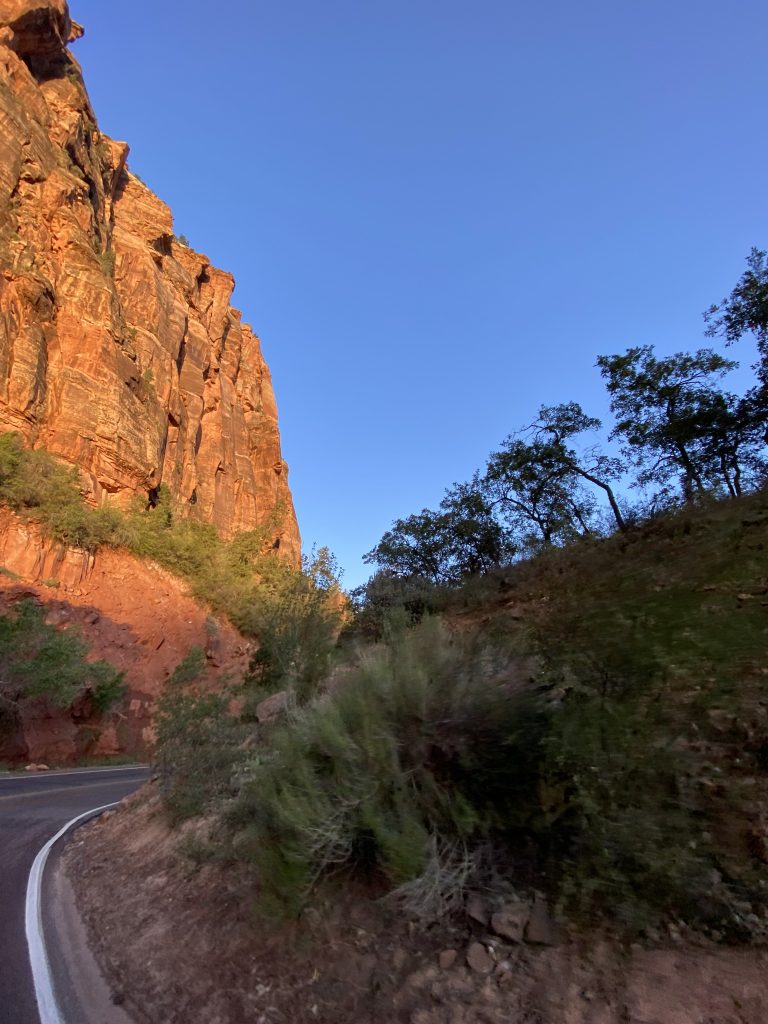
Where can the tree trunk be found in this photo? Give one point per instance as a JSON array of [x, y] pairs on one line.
[[691, 474], [727, 476], [608, 493]]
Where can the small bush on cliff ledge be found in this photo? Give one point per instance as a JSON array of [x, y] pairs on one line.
[[37, 485], [260, 592]]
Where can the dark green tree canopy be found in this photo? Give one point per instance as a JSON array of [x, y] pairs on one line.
[[536, 491], [676, 422], [460, 538], [745, 310]]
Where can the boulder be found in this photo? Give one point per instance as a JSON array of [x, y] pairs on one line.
[[269, 708], [542, 928], [510, 921], [479, 959], [447, 959]]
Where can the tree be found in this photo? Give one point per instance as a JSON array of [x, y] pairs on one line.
[[475, 540], [745, 311], [461, 538], [675, 421], [415, 546], [733, 442], [537, 478], [537, 493], [564, 422], [442, 547]]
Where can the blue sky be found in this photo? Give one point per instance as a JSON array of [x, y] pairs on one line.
[[439, 213]]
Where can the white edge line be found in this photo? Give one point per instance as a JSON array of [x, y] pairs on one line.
[[54, 774], [42, 976]]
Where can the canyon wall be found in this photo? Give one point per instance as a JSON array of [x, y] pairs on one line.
[[119, 349]]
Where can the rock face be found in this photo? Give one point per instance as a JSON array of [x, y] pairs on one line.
[[132, 613], [119, 350]]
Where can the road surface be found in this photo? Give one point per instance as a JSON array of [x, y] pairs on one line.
[[32, 809]]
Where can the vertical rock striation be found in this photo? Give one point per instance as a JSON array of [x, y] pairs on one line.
[[119, 350]]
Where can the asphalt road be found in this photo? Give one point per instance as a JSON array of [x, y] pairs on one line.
[[32, 809]]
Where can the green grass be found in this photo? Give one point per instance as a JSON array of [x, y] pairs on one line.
[[647, 642]]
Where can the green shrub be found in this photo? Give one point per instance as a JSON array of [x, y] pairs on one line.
[[296, 621], [386, 593], [596, 781], [407, 754], [106, 261], [37, 659], [36, 484], [107, 686], [190, 668], [198, 742]]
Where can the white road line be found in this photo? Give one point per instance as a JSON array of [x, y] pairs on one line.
[[57, 775], [42, 976]]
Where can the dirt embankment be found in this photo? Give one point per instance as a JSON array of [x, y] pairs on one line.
[[180, 945], [131, 613]]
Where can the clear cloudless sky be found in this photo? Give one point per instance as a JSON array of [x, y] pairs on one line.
[[439, 212]]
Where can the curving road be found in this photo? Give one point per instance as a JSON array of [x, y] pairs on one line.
[[32, 809]]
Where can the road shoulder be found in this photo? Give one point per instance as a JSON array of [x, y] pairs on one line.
[[82, 991]]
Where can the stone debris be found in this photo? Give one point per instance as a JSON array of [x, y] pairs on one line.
[[510, 921], [479, 958], [477, 908], [272, 706], [447, 959], [542, 928]]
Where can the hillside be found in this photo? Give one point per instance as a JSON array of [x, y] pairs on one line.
[[520, 775], [587, 728]]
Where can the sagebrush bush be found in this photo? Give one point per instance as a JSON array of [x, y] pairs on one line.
[[593, 779], [407, 752]]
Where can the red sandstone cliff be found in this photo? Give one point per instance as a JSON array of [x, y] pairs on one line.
[[119, 350]]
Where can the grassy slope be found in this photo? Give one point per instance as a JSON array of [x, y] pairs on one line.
[[655, 651], [628, 779]]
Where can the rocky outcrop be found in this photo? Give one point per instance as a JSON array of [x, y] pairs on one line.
[[132, 613], [119, 349]]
